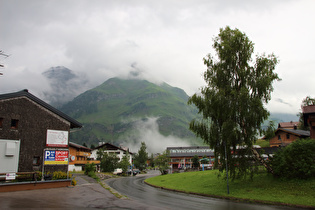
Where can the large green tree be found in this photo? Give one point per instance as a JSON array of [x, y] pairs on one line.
[[232, 102], [140, 159], [108, 161]]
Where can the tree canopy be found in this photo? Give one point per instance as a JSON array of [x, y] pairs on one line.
[[195, 162], [162, 162], [124, 163], [270, 131], [140, 159], [232, 102]]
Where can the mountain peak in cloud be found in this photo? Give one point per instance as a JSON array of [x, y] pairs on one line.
[[64, 84], [59, 73]]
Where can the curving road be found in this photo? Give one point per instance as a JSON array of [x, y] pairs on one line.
[[135, 188]]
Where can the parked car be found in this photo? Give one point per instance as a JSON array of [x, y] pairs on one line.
[[133, 172], [118, 171]]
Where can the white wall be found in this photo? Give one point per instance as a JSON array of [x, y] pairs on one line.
[[119, 153], [73, 167], [9, 155]]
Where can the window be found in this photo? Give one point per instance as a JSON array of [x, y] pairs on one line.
[[14, 124], [1, 121], [279, 137], [288, 136], [36, 160]]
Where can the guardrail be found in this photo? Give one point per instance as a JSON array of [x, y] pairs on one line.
[[20, 176]]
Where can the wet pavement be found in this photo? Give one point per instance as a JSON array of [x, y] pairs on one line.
[[137, 190], [86, 194]]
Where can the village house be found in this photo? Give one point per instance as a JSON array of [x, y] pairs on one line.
[[33, 134], [111, 149], [79, 156], [284, 136]]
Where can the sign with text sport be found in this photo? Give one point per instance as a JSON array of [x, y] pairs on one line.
[[56, 157]]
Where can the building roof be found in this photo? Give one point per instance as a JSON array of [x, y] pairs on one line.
[[297, 132], [25, 93], [288, 124], [307, 112], [78, 146], [190, 151], [308, 109]]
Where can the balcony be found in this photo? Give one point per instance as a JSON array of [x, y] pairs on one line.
[[83, 154], [83, 162]]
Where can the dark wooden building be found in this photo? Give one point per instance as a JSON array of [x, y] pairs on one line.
[[309, 118], [26, 118]]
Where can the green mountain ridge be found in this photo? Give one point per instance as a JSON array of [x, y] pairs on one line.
[[112, 111], [126, 111]]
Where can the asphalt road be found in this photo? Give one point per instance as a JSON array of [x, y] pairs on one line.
[[137, 190], [87, 194]]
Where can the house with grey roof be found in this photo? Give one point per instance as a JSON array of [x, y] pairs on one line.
[[284, 136]]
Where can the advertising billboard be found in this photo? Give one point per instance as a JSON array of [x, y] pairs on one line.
[[56, 157], [57, 138]]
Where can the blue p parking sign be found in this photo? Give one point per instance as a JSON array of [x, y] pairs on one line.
[[50, 155]]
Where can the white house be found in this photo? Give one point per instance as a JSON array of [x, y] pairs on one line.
[[111, 149]]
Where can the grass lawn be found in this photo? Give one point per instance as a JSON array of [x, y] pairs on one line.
[[263, 187], [262, 143]]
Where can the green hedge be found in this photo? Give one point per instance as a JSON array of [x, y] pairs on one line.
[[296, 161]]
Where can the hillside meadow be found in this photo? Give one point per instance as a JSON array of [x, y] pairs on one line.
[[264, 188]]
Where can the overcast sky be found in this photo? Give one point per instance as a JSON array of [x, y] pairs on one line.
[[164, 40]]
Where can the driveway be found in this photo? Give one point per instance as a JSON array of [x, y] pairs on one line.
[[86, 194]]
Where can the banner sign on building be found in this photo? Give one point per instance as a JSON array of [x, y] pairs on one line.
[[57, 138], [56, 157]]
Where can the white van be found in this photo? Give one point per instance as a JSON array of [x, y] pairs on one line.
[[117, 171]]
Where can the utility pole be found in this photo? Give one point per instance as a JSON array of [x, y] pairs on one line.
[[4, 55]]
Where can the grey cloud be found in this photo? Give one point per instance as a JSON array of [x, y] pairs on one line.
[[148, 132]]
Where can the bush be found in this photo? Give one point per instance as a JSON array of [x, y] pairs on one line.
[[89, 167], [93, 175], [297, 160], [73, 182], [60, 175]]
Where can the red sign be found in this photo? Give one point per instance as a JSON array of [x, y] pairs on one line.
[[61, 155]]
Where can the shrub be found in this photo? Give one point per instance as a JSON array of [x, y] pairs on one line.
[[60, 175], [38, 175], [89, 167], [73, 182], [93, 175], [297, 160]]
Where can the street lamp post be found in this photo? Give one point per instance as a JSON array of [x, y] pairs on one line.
[[227, 172]]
